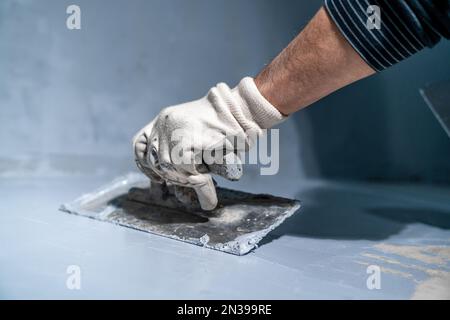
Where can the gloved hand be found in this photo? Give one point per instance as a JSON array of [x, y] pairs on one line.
[[172, 147]]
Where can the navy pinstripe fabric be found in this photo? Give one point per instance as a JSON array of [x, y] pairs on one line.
[[406, 27]]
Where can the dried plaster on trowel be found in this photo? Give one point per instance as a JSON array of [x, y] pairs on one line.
[[236, 226]]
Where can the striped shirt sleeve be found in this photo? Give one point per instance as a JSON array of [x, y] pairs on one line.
[[385, 32]]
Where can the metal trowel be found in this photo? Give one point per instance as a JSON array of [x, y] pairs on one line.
[[238, 223]]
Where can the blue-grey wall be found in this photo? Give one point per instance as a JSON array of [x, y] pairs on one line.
[[86, 92]]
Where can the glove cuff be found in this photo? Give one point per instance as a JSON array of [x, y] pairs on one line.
[[255, 107]]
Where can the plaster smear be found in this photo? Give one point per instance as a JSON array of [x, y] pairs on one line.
[[390, 271], [428, 254], [434, 261], [433, 289]]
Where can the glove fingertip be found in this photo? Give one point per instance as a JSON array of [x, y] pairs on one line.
[[206, 194]]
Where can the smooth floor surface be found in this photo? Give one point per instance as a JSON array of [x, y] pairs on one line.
[[343, 231]]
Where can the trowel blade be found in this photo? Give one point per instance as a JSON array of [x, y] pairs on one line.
[[437, 97], [236, 226]]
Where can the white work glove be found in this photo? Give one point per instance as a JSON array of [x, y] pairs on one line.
[[204, 124]]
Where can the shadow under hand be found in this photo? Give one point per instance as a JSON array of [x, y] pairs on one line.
[[343, 214], [431, 217], [330, 222]]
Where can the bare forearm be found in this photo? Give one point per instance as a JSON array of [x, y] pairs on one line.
[[316, 63]]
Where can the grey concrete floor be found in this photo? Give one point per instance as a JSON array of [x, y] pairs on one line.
[[323, 251]]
